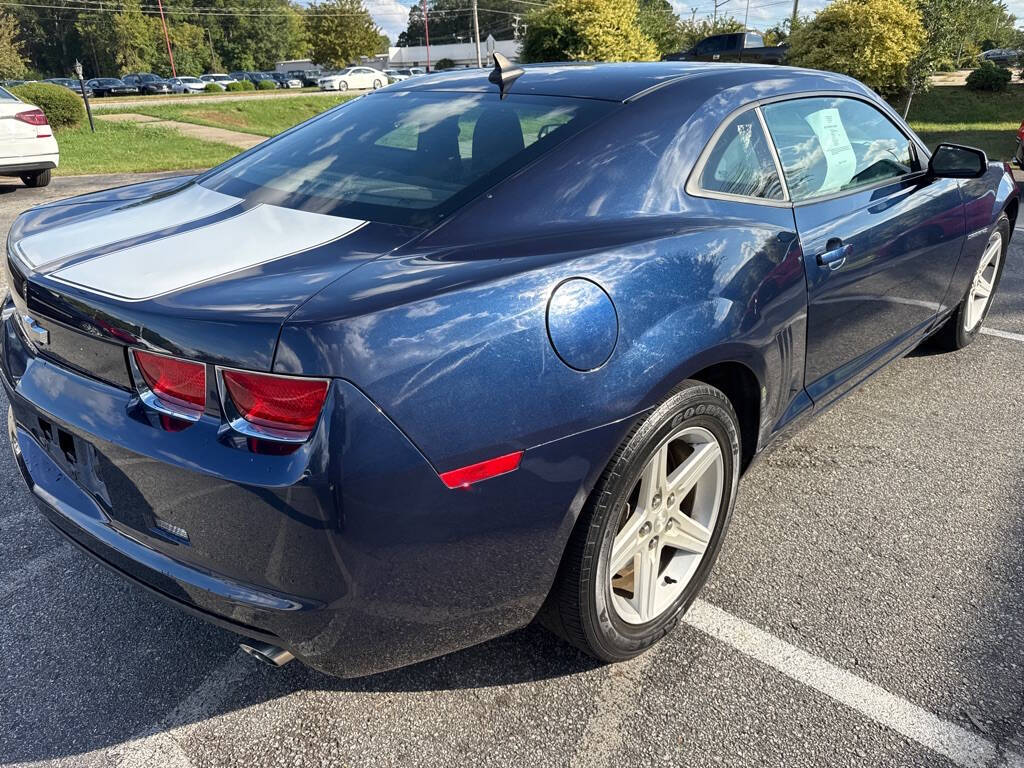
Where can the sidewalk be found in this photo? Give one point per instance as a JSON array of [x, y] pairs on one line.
[[205, 132]]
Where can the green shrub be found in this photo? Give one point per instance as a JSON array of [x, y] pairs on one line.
[[62, 106], [241, 85], [989, 77], [214, 88], [266, 85], [442, 64]]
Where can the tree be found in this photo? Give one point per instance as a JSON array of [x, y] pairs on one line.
[[871, 40], [587, 30], [12, 62], [658, 20], [340, 31]]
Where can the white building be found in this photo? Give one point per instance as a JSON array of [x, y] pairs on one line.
[[463, 54]]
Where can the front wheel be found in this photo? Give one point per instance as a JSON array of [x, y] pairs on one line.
[[651, 530], [37, 179], [342, 86], [966, 321], [376, 84]]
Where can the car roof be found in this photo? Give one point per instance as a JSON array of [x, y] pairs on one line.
[[623, 81]]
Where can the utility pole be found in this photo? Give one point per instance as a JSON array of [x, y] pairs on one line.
[[426, 31], [792, 19], [476, 34], [167, 38], [714, 17]]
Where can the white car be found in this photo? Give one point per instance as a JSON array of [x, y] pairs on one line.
[[187, 85], [219, 79], [354, 78], [27, 147], [395, 76]]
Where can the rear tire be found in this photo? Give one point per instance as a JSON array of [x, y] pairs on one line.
[[647, 538], [967, 319], [37, 179], [376, 84]]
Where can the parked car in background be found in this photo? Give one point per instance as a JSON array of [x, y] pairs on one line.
[[147, 83], [413, 71], [187, 85], [1018, 156], [736, 46], [1002, 56], [69, 83], [371, 393], [217, 79], [283, 80], [28, 149], [110, 86], [354, 78], [395, 76], [309, 77], [252, 77], [14, 83]]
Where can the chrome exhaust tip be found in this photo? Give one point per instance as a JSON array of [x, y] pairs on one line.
[[268, 654]]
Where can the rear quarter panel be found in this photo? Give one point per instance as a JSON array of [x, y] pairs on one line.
[[449, 337]]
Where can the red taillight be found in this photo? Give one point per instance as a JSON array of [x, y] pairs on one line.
[[177, 383], [1020, 132], [32, 117], [285, 404], [37, 118], [474, 473]]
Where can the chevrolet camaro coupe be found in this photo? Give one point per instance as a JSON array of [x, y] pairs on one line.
[[479, 348]]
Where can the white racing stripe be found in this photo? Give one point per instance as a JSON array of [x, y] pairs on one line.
[[193, 202], [260, 235], [961, 746]]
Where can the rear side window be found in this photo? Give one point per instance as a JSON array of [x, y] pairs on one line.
[[830, 145], [741, 163], [5, 95], [404, 157]]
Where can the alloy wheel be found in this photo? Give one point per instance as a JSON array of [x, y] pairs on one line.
[[666, 525], [980, 293]]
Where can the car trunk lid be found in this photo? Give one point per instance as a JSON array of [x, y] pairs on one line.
[[187, 271]]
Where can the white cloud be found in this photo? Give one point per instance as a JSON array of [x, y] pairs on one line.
[[391, 16]]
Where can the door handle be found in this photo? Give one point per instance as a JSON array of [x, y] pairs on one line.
[[835, 254]]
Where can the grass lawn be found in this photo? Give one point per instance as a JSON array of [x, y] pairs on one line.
[[988, 121], [261, 117], [127, 147]]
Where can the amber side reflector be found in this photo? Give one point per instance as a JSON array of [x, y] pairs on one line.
[[474, 473]]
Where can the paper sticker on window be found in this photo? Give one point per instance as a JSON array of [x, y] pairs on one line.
[[840, 160]]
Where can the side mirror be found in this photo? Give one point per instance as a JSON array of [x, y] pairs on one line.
[[953, 161]]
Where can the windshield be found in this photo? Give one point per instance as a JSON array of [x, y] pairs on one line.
[[403, 157]]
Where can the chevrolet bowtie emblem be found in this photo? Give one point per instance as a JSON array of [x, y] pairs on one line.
[[34, 331]]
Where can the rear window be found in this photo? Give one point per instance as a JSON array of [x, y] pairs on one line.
[[6, 95], [403, 157]]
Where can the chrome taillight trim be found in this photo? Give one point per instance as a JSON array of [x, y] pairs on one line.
[[150, 399], [238, 423]]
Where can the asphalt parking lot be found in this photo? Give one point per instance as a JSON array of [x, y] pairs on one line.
[[868, 610]]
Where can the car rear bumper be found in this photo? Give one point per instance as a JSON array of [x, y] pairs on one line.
[[15, 166], [350, 552]]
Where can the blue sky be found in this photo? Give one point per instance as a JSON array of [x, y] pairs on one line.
[[391, 15]]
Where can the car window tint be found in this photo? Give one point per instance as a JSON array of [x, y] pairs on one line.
[[6, 95], [740, 163], [830, 145], [404, 157]]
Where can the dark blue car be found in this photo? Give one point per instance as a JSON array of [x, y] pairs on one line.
[[445, 359]]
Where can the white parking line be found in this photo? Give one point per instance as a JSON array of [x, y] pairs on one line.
[[963, 747], [1003, 334], [160, 746]]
